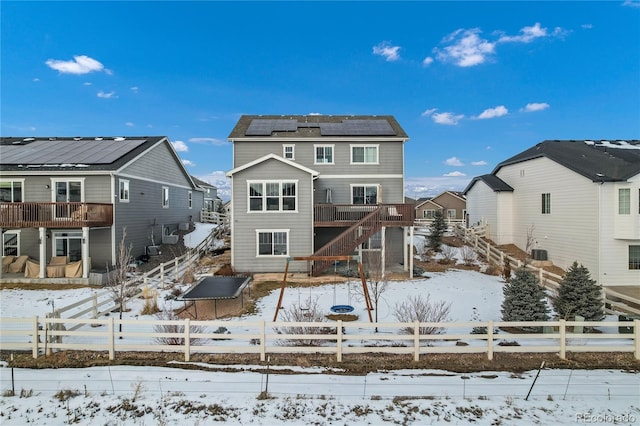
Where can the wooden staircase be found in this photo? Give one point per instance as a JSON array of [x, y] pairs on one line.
[[348, 240]]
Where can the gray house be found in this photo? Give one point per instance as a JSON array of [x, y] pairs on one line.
[[211, 200], [317, 185], [71, 199]]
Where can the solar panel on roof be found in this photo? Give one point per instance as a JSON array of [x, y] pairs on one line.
[[264, 127], [357, 128], [67, 152]]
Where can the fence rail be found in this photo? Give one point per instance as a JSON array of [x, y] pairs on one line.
[[44, 335]]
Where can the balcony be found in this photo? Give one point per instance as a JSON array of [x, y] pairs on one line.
[[55, 215], [336, 215]]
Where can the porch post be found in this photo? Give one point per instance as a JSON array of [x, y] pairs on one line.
[[43, 250], [405, 244], [85, 252], [411, 252], [383, 253]]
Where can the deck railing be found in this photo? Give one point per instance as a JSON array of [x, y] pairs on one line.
[[58, 215], [347, 214]]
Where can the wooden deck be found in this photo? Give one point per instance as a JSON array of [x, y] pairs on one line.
[[55, 215], [346, 215]]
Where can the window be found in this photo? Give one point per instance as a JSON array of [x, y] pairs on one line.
[[124, 191], [65, 192], [289, 152], [165, 197], [374, 242], [273, 243], [11, 243], [68, 244], [324, 154], [190, 199], [364, 194], [364, 154], [272, 196], [634, 257], [451, 213], [546, 203], [11, 191], [428, 214], [624, 201]]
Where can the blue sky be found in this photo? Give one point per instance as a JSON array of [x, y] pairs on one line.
[[472, 83]]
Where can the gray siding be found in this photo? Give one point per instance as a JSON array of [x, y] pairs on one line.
[[160, 165], [390, 189], [299, 225]]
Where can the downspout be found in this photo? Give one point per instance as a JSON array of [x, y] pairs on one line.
[[599, 240], [113, 225]]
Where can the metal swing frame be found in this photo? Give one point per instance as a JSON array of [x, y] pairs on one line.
[[363, 280]]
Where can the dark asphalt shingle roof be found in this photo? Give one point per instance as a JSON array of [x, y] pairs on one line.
[[492, 181], [317, 126], [600, 161]]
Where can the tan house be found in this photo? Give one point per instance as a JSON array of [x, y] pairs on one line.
[[452, 205]]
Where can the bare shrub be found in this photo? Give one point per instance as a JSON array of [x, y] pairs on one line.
[[176, 328], [468, 255], [423, 310], [506, 270], [448, 253], [150, 297], [310, 313]]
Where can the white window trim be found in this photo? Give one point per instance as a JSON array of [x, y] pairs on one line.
[[21, 187], [264, 196], [56, 235], [425, 214], [333, 154], [165, 206], [449, 214], [12, 231], [271, 231], [542, 209], [293, 151], [128, 190], [190, 199], [628, 205], [56, 180], [365, 163], [377, 185]]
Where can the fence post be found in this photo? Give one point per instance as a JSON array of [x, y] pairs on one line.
[[339, 342], [35, 338], [563, 339], [540, 276], [112, 339], [187, 340], [416, 341], [489, 252], [162, 275], [263, 355], [95, 305], [501, 258], [175, 269], [490, 340], [636, 338], [144, 279]]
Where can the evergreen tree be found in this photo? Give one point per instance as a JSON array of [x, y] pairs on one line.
[[578, 294], [524, 299], [436, 231]]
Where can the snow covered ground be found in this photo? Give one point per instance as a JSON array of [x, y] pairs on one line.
[[255, 394]]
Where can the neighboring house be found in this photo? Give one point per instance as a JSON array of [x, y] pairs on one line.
[[74, 197], [573, 201], [316, 185], [452, 205], [211, 199]]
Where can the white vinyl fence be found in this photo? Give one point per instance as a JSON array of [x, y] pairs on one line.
[[43, 335]]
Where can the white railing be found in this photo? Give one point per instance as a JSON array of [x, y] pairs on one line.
[[337, 338], [214, 217], [473, 237], [425, 223]]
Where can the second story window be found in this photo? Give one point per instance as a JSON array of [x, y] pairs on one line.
[[546, 203], [165, 197], [289, 152], [364, 154], [11, 191], [123, 190], [624, 201], [272, 196], [324, 154]]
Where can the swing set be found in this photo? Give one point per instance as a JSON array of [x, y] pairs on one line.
[[340, 309]]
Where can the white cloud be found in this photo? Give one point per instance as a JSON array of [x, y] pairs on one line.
[[180, 146], [454, 174], [134, 89], [428, 112], [446, 118], [589, 26], [466, 48], [36, 79], [453, 161], [384, 49], [631, 3], [211, 141], [129, 124], [427, 61], [81, 64], [188, 163], [498, 111], [107, 95], [479, 163], [87, 83], [528, 34], [220, 181], [430, 186], [535, 106]]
